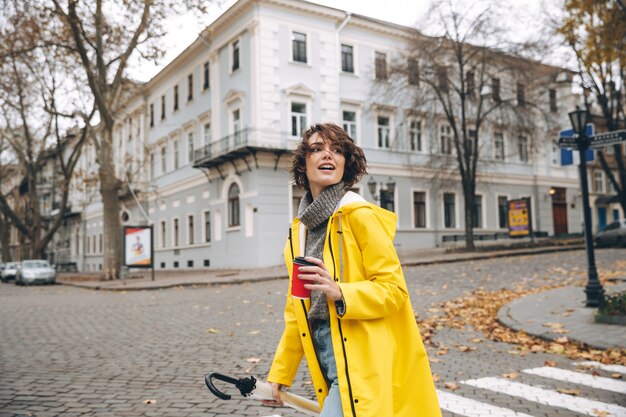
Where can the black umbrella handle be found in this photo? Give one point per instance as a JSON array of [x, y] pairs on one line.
[[244, 385]]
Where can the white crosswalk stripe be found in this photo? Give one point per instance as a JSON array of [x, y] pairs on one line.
[[609, 368], [546, 396], [565, 375], [471, 408]]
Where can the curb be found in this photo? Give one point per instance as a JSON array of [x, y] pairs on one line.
[[236, 281]]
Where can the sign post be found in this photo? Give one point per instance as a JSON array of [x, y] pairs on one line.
[[582, 138], [139, 247]]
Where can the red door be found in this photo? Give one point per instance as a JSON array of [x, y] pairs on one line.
[[559, 210]]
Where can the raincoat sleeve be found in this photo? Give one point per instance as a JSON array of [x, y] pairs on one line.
[[289, 351], [382, 290]]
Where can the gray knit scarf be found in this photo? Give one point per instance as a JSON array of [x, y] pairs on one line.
[[314, 214]]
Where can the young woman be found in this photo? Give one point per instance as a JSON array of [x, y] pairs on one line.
[[357, 331]]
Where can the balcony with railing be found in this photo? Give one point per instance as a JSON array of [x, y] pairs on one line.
[[241, 144]]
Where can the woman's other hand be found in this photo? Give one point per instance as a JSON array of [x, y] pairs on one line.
[[276, 402]]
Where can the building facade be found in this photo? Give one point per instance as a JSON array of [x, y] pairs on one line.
[[203, 147]]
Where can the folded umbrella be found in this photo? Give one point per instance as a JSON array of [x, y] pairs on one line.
[[251, 387]]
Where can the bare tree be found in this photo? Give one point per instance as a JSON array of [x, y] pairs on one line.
[[596, 33], [461, 74], [102, 35], [32, 126]]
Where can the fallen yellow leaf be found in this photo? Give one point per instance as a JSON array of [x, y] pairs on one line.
[[212, 330], [452, 386], [568, 391]]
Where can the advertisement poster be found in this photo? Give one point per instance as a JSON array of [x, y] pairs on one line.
[[519, 218], [138, 246]]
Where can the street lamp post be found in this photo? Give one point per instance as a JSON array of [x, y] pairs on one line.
[[594, 290]]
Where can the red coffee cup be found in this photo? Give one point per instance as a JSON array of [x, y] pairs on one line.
[[297, 284]]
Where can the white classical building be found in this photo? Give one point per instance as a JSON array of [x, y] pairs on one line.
[[204, 145]]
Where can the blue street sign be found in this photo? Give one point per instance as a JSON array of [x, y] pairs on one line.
[[567, 142], [567, 156], [568, 133]]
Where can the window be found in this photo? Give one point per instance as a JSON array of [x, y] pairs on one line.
[[163, 160], [383, 132], [419, 209], [522, 148], [190, 147], [152, 165], [163, 234], [347, 58], [190, 87], [553, 106], [503, 215], [521, 94], [190, 230], [349, 123], [471, 142], [298, 118], [380, 63], [495, 88], [235, 56], [100, 243], [163, 107], [175, 233], [233, 205], [415, 135], [298, 43], [207, 226], [207, 134], [449, 211], [556, 153], [175, 97], [176, 154], [442, 78], [470, 83], [237, 126], [598, 179], [205, 74], [413, 69], [498, 144], [477, 221], [445, 140], [151, 114]]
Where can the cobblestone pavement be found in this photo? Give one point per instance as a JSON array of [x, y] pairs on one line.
[[69, 351]]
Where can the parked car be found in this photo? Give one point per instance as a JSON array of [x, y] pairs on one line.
[[9, 271], [35, 271], [613, 235]]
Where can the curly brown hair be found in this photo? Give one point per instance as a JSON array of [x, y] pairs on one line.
[[356, 165]]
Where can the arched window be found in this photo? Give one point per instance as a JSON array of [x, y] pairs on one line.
[[233, 205]]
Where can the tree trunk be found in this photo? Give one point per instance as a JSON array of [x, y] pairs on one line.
[[468, 197], [4, 240], [109, 190]]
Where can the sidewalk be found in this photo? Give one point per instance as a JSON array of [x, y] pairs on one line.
[[141, 279], [527, 314]]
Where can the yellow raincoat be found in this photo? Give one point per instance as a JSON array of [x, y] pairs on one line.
[[381, 362]]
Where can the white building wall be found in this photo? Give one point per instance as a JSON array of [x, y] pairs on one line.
[[262, 89]]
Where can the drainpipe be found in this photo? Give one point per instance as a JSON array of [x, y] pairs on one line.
[[337, 47]]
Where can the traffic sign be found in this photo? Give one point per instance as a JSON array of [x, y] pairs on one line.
[[568, 139], [565, 142], [609, 138]]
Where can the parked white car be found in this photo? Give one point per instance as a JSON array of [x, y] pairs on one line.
[[9, 271], [613, 235], [35, 271]]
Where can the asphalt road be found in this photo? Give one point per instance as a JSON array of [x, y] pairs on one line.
[[75, 352]]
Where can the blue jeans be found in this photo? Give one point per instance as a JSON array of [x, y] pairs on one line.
[[326, 357]]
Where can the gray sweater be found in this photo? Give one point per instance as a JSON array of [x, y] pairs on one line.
[[314, 214]]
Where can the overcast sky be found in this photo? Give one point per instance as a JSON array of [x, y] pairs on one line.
[[182, 31]]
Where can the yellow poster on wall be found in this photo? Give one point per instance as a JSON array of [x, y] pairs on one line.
[[519, 217]]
